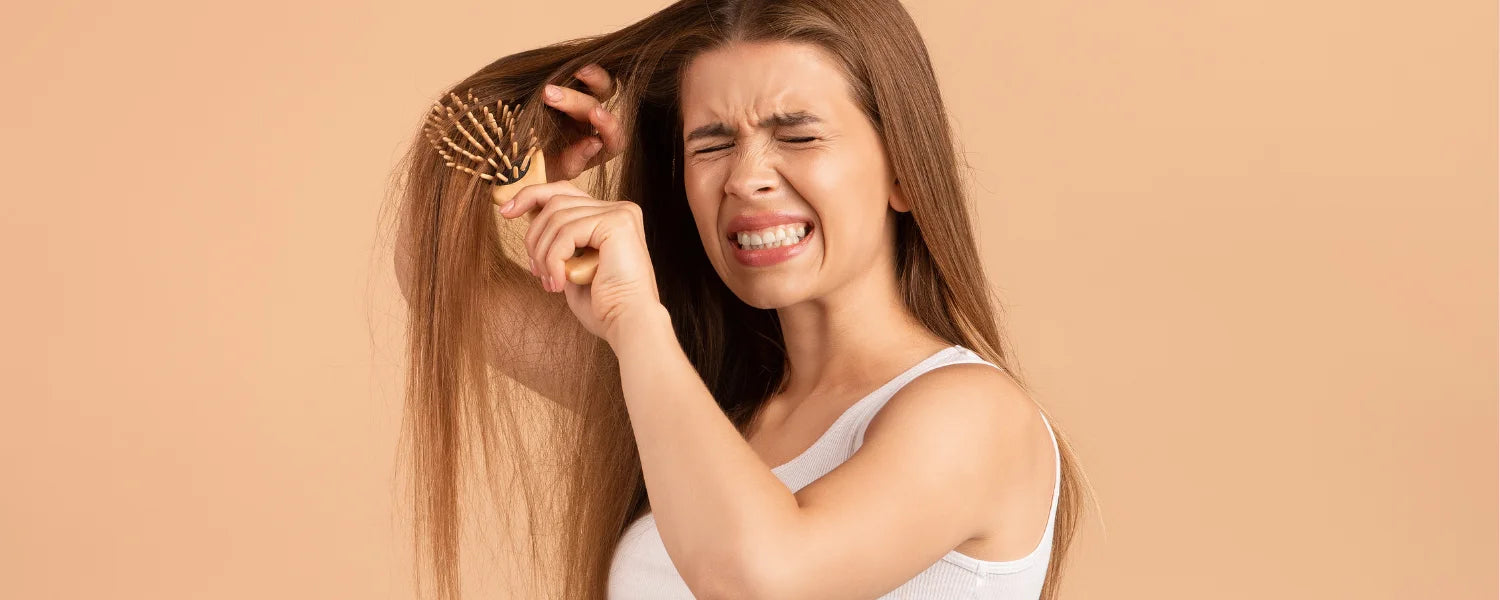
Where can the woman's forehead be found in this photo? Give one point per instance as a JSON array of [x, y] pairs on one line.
[[743, 85]]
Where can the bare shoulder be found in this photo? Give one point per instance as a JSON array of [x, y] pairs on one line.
[[964, 391], [977, 405]]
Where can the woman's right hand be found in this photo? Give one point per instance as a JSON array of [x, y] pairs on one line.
[[584, 149]]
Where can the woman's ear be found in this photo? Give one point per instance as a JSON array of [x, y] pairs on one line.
[[898, 198]]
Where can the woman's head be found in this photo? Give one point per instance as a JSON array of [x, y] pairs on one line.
[[773, 130], [860, 67]]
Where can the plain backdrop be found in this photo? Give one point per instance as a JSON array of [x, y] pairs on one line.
[[1248, 252]]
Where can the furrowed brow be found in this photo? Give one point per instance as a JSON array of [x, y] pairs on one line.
[[791, 119]]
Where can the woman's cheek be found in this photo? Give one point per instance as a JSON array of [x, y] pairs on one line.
[[817, 174]]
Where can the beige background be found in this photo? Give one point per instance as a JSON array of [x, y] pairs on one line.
[[1249, 252]]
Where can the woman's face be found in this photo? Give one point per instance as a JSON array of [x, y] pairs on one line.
[[772, 135]]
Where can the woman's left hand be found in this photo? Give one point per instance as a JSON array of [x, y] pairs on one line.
[[567, 219]]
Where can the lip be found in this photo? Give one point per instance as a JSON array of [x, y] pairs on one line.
[[748, 222], [766, 257]]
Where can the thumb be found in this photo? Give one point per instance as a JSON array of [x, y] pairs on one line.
[[591, 151], [577, 156]]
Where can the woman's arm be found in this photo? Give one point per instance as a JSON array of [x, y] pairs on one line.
[[935, 460], [711, 494]]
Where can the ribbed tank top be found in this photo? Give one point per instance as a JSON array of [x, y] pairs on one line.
[[641, 569]]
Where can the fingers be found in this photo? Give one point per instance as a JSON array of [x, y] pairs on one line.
[[602, 86], [535, 199], [535, 195], [582, 153], [598, 81], [611, 134], [560, 239], [583, 227], [579, 156], [543, 218], [573, 102], [586, 109]]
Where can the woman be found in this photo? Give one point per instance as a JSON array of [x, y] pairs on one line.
[[786, 378]]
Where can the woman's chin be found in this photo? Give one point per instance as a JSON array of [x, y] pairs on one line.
[[768, 295], [768, 287]]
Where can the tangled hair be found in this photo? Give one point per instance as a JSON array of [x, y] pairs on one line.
[[472, 317]]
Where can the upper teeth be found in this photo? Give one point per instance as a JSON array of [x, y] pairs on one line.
[[772, 237]]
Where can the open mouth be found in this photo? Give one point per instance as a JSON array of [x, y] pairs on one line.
[[734, 240]]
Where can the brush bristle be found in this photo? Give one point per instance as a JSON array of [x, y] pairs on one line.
[[477, 155]]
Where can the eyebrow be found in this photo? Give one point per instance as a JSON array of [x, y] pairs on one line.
[[791, 119]]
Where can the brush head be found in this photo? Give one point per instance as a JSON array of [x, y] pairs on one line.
[[497, 155]]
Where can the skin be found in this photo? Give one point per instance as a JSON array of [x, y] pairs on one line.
[[966, 447], [845, 279]]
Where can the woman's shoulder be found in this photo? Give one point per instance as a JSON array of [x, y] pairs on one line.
[[978, 416], [976, 404], [965, 392]]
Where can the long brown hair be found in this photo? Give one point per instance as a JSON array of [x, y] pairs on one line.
[[461, 252]]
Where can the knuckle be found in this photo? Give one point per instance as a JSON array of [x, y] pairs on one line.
[[551, 205], [596, 74]]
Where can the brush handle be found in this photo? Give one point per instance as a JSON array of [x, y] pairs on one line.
[[579, 269]]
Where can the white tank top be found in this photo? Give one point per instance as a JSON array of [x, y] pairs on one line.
[[642, 570]]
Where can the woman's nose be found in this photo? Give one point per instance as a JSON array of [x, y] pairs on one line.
[[751, 175]]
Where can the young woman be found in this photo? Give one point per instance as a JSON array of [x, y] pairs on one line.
[[786, 378]]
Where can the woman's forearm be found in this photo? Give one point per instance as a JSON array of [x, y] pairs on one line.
[[715, 502]]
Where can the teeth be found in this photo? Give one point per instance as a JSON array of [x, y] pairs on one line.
[[773, 237]]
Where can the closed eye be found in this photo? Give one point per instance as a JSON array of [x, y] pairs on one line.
[[797, 140]]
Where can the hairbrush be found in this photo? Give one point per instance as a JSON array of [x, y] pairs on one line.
[[485, 159]]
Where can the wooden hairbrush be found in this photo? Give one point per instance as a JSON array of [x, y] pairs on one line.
[[485, 159]]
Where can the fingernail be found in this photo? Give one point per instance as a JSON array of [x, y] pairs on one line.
[[549, 284], [595, 146], [553, 93], [586, 70], [508, 205]]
